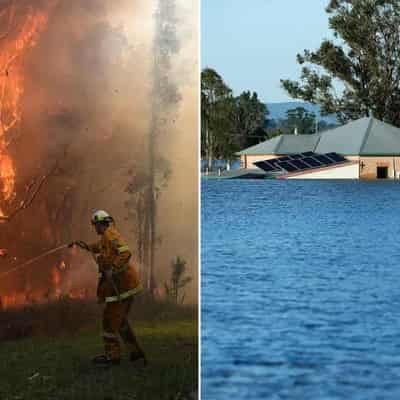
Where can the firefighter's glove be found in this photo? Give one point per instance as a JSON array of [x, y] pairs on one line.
[[80, 244]]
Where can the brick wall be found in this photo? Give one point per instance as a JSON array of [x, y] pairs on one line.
[[368, 166]]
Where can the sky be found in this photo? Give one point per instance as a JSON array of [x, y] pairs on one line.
[[253, 47]]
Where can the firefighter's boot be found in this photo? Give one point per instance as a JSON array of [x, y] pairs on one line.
[[138, 355], [129, 337], [104, 361]]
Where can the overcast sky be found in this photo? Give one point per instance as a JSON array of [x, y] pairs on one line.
[[253, 47]]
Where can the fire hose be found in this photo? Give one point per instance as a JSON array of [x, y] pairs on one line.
[[32, 260], [79, 243]]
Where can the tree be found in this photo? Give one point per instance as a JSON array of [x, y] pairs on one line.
[[165, 98], [364, 58], [301, 121], [177, 281], [217, 107], [228, 123], [250, 116], [19, 32], [258, 136], [32, 189]]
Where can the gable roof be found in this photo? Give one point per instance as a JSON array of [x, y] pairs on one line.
[[382, 139], [345, 139], [291, 144], [267, 147], [284, 144], [365, 136]]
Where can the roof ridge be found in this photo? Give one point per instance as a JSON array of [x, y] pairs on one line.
[[319, 139], [367, 133], [279, 144]]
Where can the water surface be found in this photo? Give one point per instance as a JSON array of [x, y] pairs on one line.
[[300, 290]]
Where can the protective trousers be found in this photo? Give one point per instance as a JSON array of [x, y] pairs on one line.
[[115, 322]]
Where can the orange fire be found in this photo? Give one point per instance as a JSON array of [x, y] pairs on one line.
[[16, 300], [58, 286], [21, 34], [56, 281]]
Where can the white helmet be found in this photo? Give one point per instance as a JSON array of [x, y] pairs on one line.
[[101, 216]]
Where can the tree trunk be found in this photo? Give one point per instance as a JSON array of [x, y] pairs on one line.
[[209, 154]]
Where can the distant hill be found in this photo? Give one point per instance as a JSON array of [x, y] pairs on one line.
[[278, 110]]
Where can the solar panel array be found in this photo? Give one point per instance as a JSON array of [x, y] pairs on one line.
[[300, 162]]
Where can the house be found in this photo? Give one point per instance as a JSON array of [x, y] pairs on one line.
[[371, 149]]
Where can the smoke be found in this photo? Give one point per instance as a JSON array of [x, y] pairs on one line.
[[178, 75], [89, 104]]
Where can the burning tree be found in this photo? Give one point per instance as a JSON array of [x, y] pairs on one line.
[[81, 97], [20, 33], [21, 26]]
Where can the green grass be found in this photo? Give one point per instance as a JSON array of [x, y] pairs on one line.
[[59, 367]]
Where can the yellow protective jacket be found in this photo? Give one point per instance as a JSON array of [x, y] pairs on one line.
[[113, 254]]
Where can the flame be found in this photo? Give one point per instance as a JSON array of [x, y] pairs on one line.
[[59, 287], [17, 41], [56, 281], [7, 176], [15, 300], [23, 299], [55, 277]]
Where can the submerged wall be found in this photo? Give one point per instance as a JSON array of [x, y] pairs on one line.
[[348, 171], [364, 167], [369, 167]]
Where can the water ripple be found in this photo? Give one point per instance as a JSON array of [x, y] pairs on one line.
[[300, 290]]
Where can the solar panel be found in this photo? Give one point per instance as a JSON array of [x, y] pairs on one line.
[[273, 165], [286, 158], [273, 161], [335, 157], [312, 162], [289, 167], [266, 166], [299, 164], [323, 159], [295, 156]]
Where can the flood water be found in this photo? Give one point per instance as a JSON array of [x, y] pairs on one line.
[[300, 290]]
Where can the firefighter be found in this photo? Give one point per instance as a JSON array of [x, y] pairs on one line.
[[117, 286]]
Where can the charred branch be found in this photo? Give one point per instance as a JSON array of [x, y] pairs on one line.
[[33, 189]]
